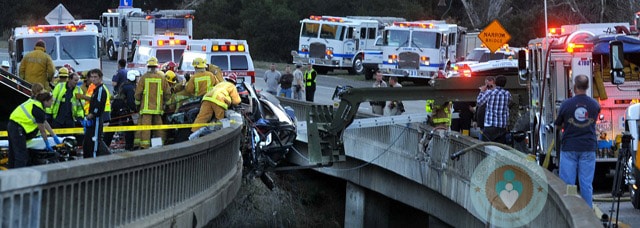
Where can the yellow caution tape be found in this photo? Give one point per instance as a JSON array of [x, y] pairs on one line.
[[79, 130]]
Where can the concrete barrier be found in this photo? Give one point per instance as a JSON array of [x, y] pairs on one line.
[[181, 185]]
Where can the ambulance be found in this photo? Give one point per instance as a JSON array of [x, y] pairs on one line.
[[229, 55], [76, 45], [164, 48]]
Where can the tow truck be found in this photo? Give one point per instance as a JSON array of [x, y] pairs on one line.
[[76, 45], [232, 56], [329, 42], [123, 27], [164, 48]]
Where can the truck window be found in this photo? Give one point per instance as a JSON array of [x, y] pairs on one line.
[[29, 43], [164, 55], [310, 30], [331, 32], [177, 53], [474, 55], [426, 39], [397, 38], [78, 47], [221, 61], [371, 33], [452, 39], [363, 33], [143, 54], [349, 34], [239, 62]]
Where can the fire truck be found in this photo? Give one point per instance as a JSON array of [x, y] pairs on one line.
[[123, 27], [229, 55], [418, 50], [551, 64], [76, 45], [164, 48], [330, 43]]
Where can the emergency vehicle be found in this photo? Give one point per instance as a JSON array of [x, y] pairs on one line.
[[553, 62], [127, 25], [418, 50], [164, 48], [481, 62], [329, 42], [76, 45], [229, 55]]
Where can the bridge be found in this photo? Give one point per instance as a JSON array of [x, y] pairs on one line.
[[189, 184]]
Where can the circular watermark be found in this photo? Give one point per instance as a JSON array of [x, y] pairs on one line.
[[508, 190]]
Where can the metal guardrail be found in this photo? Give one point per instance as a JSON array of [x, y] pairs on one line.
[[174, 185], [397, 148]]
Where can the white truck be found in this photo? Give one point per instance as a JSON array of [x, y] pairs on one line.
[[123, 27], [232, 56], [164, 48], [76, 45], [417, 51], [330, 43]]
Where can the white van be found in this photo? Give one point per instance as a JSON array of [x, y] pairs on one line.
[[229, 55], [164, 48]]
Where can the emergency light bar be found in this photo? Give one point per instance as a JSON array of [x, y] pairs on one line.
[[228, 47], [170, 42], [414, 24], [556, 31], [55, 28], [573, 47], [324, 18]]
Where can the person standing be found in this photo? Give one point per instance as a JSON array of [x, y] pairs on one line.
[[93, 144], [577, 116], [286, 81], [202, 80], [272, 78], [377, 107], [121, 75], [5, 66], [124, 105], [481, 110], [497, 111], [217, 101], [68, 107], [298, 84], [23, 122], [37, 66], [152, 91], [310, 83], [395, 107]]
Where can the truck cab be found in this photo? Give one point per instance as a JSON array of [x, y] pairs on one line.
[[232, 56]]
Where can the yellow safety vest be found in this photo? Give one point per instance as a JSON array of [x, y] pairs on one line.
[[428, 106], [202, 78], [59, 91], [22, 115], [308, 77], [107, 106], [145, 105]]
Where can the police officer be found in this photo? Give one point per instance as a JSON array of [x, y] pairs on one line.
[[67, 108], [152, 91], [310, 83], [23, 122], [218, 100], [202, 80]]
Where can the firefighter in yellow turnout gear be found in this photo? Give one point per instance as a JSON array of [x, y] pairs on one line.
[[202, 80], [152, 91], [441, 114], [218, 100]]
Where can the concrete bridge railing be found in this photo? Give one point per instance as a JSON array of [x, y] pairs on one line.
[[430, 181], [181, 185]]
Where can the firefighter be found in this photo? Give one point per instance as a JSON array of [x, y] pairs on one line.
[[68, 107], [37, 66], [218, 100], [23, 122], [124, 105], [216, 71], [63, 76], [441, 117], [201, 81], [172, 104], [152, 91]]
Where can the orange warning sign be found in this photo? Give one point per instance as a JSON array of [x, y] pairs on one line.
[[494, 36]]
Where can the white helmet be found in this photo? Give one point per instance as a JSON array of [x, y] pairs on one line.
[[132, 74]]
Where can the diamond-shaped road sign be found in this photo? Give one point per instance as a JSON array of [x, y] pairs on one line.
[[59, 15], [494, 36]]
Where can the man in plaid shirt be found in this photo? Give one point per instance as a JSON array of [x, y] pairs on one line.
[[497, 112]]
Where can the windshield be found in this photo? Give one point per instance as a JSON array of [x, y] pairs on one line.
[[474, 55], [397, 38], [425, 39], [484, 56], [78, 47], [310, 30], [29, 43], [164, 55], [333, 32]]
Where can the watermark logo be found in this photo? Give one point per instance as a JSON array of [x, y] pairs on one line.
[[508, 190]]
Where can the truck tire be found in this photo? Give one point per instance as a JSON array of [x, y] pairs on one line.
[[357, 67], [369, 72], [112, 53]]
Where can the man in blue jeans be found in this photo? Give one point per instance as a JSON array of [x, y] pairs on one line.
[[577, 116]]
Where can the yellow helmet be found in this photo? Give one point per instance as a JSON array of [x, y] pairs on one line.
[[199, 63], [170, 76], [152, 62], [160, 73], [63, 72]]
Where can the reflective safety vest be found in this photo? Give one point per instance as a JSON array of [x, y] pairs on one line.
[[207, 83], [428, 106], [308, 76], [22, 115], [148, 96], [220, 95], [59, 92], [439, 119], [107, 106]]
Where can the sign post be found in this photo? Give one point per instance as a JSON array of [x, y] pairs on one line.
[[494, 36]]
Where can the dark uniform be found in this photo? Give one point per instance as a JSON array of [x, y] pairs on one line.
[[93, 133]]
